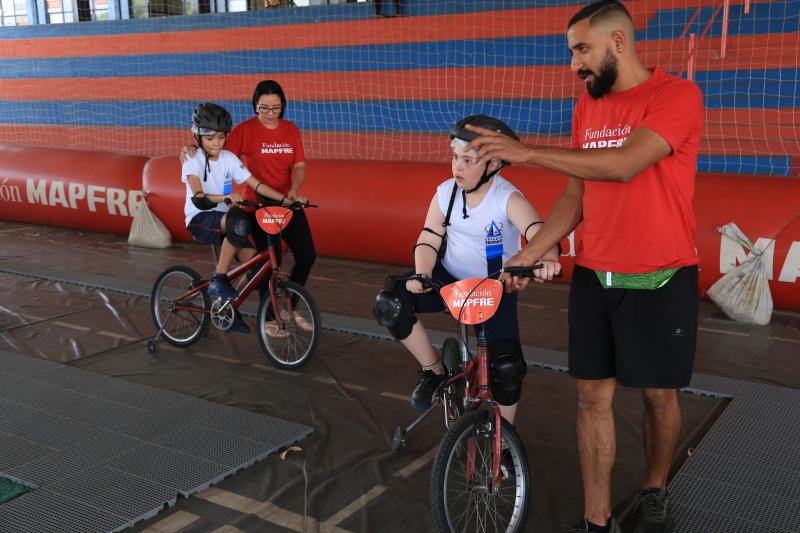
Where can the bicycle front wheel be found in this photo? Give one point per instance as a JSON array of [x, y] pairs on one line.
[[182, 316], [462, 498], [290, 342]]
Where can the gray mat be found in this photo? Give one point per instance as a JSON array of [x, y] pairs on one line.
[[744, 475], [104, 453]]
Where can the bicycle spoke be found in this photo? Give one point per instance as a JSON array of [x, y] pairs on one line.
[[296, 345], [170, 298]]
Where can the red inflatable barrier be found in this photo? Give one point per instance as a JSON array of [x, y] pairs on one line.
[[374, 210], [166, 194], [94, 191], [767, 210]]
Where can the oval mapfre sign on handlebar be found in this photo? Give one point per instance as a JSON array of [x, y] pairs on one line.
[[474, 300], [273, 219]]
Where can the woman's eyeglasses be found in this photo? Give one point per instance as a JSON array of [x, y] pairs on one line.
[[275, 109]]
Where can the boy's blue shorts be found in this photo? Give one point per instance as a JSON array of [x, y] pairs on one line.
[[205, 227]]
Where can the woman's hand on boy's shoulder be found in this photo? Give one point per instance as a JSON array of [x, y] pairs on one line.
[[187, 152]]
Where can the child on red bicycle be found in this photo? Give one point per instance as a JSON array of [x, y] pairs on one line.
[[479, 216], [209, 175]]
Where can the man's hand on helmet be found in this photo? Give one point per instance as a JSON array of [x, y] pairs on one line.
[[494, 145]]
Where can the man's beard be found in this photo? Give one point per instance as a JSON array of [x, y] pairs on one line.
[[605, 79]]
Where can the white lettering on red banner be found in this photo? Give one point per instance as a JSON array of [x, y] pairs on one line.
[[732, 253], [118, 202]]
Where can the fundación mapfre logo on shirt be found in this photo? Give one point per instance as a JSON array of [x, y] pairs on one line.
[[277, 148], [605, 137]]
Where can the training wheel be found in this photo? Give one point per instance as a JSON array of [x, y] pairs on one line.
[[152, 348], [398, 439]]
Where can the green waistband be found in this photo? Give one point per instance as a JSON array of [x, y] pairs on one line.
[[647, 280]]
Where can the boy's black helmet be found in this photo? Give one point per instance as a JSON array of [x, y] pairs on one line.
[[209, 118], [459, 131]]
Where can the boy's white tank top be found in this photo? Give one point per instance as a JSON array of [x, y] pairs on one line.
[[480, 244]]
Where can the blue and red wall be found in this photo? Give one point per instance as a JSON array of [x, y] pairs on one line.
[[386, 88]]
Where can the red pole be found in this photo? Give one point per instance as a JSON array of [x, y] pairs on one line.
[[692, 52], [746, 7], [726, 9]]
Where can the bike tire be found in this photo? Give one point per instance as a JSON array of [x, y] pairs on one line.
[[295, 348], [183, 327], [449, 490]]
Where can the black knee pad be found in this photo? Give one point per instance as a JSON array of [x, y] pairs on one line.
[[393, 308], [238, 227], [508, 369]]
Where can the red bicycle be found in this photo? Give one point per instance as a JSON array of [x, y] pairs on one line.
[[472, 489], [288, 321]]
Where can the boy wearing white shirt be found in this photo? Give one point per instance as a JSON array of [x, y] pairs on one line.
[[209, 176], [483, 216]]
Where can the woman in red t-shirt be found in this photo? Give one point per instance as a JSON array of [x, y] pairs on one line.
[[272, 149]]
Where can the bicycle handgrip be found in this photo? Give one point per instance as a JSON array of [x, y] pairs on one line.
[[300, 205], [526, 272], [522, 272], [426, 281]]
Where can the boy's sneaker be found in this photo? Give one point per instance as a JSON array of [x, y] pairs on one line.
[[239, 325], [583, 527], [220, 287], [428, 382], [653, 508]]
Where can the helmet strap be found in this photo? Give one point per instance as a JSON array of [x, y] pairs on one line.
[[486, 176]]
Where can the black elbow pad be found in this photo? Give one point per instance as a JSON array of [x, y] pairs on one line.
[[203, 203]]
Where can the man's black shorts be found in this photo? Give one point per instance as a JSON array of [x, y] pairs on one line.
[[643, 338]]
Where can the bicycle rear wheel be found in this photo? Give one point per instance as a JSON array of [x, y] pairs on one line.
[[181, 327], [462, 498], [291, 344]]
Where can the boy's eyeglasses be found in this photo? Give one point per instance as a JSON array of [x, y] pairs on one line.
[[275, 109]]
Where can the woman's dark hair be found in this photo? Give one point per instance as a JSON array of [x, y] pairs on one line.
[[269, 87]]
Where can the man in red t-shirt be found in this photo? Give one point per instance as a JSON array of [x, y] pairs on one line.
[[633, 295]]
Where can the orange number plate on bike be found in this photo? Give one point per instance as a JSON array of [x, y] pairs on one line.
[[474, 300], [273, 219]]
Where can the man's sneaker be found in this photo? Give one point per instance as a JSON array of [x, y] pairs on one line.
[[428, 382], [220, 287], [239, 325], [583, 527], [653, 508]]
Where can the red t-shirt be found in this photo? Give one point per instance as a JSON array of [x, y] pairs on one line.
[[646, 224], [269, 154]]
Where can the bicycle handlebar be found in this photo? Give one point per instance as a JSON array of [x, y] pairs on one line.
[[526, 272], [293, 205], [520, 272], [523, 272]]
